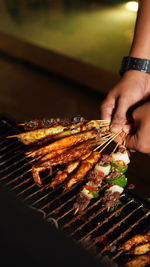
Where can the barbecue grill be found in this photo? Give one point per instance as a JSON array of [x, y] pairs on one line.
[[102, 232]]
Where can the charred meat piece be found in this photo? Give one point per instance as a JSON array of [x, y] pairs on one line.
[[47, 123], [110, 199], [95, 179], [82, 202], [106, 159]]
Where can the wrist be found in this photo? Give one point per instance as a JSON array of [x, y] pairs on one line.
[[140, 78]]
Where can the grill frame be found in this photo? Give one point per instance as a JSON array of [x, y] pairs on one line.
[[57, 205]]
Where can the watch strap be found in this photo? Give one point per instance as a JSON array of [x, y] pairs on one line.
[[134, 63]]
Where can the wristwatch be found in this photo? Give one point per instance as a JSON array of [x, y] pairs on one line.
[[134, 63]]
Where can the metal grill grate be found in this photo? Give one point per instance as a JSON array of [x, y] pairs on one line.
[[105, 230]]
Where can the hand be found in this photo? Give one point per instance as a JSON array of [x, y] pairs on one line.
[[140, 141], [132, 88]]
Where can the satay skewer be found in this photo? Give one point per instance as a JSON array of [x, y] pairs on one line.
[[61, 176], [83, 169], [33, 135]]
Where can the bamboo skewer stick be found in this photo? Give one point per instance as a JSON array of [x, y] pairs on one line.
[[121, 139], [11, 136], [103, 142], [110, 141]]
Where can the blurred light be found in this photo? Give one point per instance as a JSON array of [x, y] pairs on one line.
[[133, 5]]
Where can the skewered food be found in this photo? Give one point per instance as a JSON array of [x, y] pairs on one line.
[[112, 196], [141, 249], [89, 190], [68, 155], [105, 170], [74, 149], [116, 179], [58, 129], [31, 137], [138, 245], [62, 141], [135, 240], [94, 181], [47, 123], [121, 155], [140, 261], [66, 142], [61, 176], [85, 166]]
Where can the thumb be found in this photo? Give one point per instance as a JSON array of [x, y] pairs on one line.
[[120, 118]]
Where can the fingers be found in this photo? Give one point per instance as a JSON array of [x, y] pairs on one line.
[[137, 143], [117, 105], [107, 107], [120, 119]]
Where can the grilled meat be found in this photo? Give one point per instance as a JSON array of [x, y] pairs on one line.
[[141, 249], [140, 261], [85, 166], [58, 129], [102, 170], [48, 161], [66, 142], [31, 137], [95, 178], [110, 199], [47, 123], [135, 240], [82, 202], [106, 159], [61, 176], [89, 190]]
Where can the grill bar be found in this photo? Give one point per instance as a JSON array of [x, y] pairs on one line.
[[100, 224], [105, 221], [65, 203]]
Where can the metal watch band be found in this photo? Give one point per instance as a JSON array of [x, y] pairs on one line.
[[133, 63]]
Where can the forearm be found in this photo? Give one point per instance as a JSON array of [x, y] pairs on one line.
[[141, 41]]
